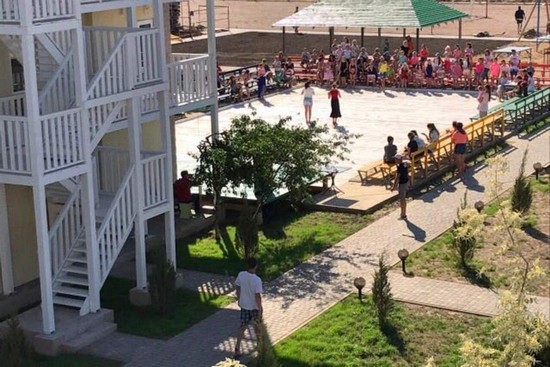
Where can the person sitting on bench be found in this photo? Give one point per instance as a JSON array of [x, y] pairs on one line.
[[182, 192]]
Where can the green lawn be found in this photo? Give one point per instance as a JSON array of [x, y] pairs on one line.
[[284, 243], [75, 360], [348, 335], [191, 308]]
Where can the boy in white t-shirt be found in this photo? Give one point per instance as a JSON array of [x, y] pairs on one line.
[[249, 296]]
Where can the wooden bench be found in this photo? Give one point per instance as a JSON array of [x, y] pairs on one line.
[[378, 169]]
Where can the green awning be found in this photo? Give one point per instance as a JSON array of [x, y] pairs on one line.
[[372, 14]]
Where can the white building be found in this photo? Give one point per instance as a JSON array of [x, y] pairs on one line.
[[85, 147]]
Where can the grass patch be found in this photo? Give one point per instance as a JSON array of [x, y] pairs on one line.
[[348, 335], [437, 259], [284, 243], [191, 307], [75, 360]]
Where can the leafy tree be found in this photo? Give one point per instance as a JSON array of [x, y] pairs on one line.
[[265, 158], [522, 193], [247, 233], [381, 292], [518, 335], [215, 166]]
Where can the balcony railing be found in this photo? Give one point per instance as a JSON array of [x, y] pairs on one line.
[[14, 145], [62, 136], [188, 77], [43, 10]]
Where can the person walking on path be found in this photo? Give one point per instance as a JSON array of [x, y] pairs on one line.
[[308, 93], [401, 183], [334, 96], [519, 15], [249, 296]]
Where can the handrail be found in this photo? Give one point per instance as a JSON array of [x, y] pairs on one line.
[[50, 85], [99, 74], [57, 222]]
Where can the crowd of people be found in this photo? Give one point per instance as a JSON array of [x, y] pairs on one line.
[[347, 64]]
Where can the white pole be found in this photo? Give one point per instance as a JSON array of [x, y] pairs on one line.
[[5, 247], [213, 66], [164, 108], [134, 130], [37, 164]]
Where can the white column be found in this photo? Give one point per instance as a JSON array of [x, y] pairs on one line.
[[131, 17], [212, 66], [134, 138], [164, 117], [5, 248], [87, 179], [37, 163]]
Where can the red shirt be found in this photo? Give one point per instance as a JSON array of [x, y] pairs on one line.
[[182, 190], [333, 94]]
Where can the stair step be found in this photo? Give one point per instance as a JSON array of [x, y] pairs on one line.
[[73, 280], [76, 269], [70, 302], [80, 245], [73, 291], [78, 257], [97, 332]]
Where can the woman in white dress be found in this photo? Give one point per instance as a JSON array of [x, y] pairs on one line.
[[308, 93]]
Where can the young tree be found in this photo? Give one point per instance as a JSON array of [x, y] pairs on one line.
[[518, 335], [215, 165], [466, 231], [522, 193], [266, 158], [381, 291]]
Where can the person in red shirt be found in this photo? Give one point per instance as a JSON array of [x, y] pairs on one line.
[[334, 96], [182, 192]]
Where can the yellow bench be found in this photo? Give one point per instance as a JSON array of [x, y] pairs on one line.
[[377, 169]]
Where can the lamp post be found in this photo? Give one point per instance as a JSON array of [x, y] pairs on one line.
[[359, 283], [538, 169], [403, 254]]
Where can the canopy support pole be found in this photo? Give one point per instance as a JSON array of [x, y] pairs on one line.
[[380, 37], [417, 39], [460, 29], [362, 36], [404, 32], [284, 40], [330, 36]]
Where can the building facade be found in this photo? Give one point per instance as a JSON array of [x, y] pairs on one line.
[[88, 88]]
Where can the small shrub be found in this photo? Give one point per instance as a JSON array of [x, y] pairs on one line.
[[163, 283], [466, 231], [266, 353], [381, 292], [522, 193], [15, 349], [247, 233], [228, 362]]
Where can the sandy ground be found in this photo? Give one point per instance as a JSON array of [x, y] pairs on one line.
[[260, 15]]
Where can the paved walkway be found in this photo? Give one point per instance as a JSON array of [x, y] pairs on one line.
[[312, 287]]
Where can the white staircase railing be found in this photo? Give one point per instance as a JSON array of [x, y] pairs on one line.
[[131, 63], [100, 42], [117, 225], [14, 145], [154, 177], [9, 11], [62, 136], [65, 231], [13, 105], [59, 92], [188, 77]]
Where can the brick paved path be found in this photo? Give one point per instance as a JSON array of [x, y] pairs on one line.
[[309, 289]]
